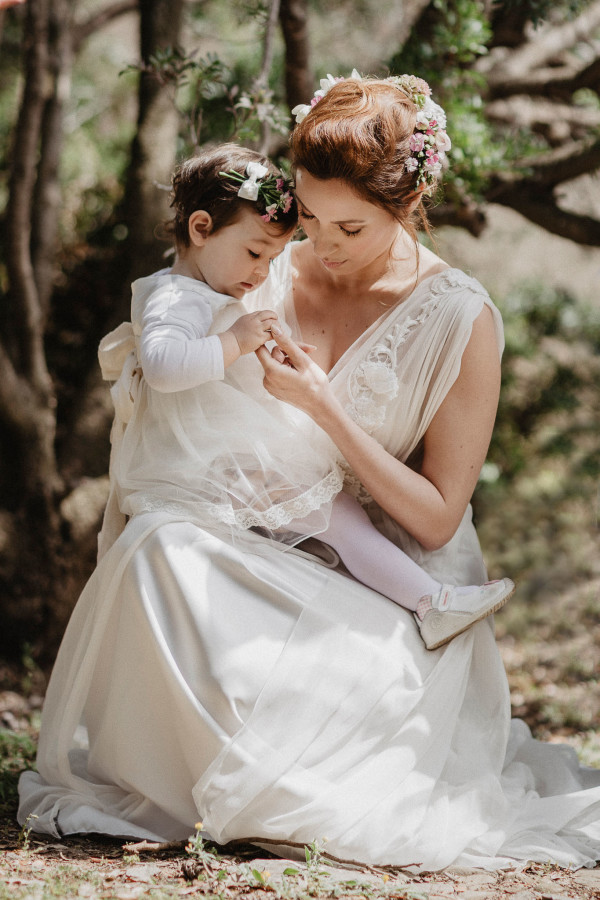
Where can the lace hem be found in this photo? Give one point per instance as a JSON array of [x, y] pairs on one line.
[[355, 488], [273, 518]]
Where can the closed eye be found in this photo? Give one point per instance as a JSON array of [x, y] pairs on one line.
[[350, 233], [304, 215], [253, 254]]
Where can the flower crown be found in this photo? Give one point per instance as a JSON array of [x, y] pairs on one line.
[[273, 193], [429, 142]]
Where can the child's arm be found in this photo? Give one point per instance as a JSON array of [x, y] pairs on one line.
[[175, 350]]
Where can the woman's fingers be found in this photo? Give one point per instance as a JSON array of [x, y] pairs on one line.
[[296, 355]]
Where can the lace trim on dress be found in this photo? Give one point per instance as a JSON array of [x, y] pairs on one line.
[[274, 517], [354, 486], [373, 384]]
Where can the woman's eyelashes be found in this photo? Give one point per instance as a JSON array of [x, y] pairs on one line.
[[304, 215], [253, 254]]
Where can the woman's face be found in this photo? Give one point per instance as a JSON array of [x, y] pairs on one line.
[[349, 234]]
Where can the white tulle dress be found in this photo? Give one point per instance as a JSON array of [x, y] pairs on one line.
[[202, 441], [268, 695]]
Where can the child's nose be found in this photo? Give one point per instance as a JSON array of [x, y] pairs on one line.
[[262, 267]]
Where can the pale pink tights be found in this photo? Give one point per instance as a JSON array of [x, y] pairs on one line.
[[371, 558]]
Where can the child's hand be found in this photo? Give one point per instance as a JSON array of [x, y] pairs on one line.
[[253, 330]]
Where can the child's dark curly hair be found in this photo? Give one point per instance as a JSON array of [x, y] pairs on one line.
[[198, 184]]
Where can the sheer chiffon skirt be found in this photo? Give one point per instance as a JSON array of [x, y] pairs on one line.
[[272, 697]]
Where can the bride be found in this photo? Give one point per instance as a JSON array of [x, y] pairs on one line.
[[264, 691]]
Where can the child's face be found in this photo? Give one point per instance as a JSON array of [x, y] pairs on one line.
[[236, 258]]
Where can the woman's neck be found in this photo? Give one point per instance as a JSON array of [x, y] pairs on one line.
[[384, 279]]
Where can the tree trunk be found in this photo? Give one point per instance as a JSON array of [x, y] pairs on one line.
[[145, 204], [299, 82], [30, 408], [31, 483]]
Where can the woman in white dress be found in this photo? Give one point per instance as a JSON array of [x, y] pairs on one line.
[[265, 692]]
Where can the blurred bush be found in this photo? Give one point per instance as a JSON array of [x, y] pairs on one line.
[[537, 500]]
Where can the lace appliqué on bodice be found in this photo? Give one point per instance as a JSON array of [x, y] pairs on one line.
[[374, 383]]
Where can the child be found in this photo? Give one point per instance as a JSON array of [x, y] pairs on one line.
[[196, 433]]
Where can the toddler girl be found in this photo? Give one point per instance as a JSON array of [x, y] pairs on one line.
[[195, 431]]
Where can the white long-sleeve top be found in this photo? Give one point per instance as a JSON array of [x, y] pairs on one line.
[[172, 316]]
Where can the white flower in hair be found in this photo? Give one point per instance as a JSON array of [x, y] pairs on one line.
[[429, 142], [434, 111], [301, 111], [442, 141], [249, 189]]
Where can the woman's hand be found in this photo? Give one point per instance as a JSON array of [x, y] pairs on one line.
[[292, 376]]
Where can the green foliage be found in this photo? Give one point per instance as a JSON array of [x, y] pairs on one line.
[[17, 752], [210, 104], [442, 49], [537, 500]]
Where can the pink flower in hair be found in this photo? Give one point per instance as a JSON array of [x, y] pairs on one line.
[[416, 142], [269, 213]]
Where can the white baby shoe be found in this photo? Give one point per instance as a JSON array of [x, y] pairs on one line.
[[450, 611]]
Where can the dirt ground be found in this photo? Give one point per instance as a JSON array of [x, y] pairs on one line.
[[95, 867]]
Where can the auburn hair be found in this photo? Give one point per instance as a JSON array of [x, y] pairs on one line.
[[359, 132], [197, 184]]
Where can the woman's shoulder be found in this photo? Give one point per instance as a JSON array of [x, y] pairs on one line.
[[443, 279], [457, 294]]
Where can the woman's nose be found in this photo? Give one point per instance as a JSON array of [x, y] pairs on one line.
[[323, 242]]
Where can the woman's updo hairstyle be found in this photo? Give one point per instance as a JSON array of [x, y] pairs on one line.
[[359, 132], [197, 184]]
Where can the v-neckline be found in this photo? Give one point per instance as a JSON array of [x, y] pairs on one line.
[[290, 305]]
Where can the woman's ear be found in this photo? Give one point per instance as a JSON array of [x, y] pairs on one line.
[[199, 227], [416, 199]]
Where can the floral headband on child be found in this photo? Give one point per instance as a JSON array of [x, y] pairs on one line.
[[429, 142], [272, 193]]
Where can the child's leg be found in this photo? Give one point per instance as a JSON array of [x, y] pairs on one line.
[[371, 558], [441, 611]]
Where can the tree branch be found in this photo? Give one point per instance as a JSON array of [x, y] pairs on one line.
[[523, 112], [467, 215], [21, 189], [411, 13], [263, 76], [545, 44], [551, 82], [47, 194], [83, 31], [541, 209], [268, 42], [563, 164]]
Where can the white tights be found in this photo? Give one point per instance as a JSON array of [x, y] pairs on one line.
[[372, 558]]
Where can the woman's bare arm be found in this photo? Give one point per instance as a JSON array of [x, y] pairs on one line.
[[429, 504]]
